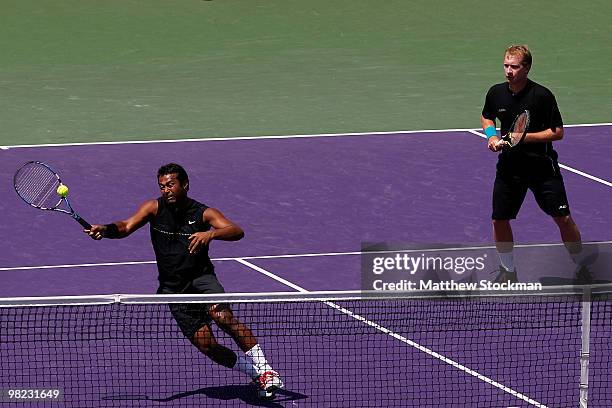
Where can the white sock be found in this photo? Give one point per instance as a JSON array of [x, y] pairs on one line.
[[259, 359], [245, 366], [507, 260]]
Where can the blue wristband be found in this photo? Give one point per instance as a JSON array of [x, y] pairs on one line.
[[490, 132]]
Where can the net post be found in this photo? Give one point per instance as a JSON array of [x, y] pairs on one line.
[[585, 349]]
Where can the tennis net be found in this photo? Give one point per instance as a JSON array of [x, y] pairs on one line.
[[332, 349]]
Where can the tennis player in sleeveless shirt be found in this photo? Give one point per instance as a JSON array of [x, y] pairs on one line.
[[181, 231]]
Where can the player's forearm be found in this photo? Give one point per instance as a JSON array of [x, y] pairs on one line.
[[116, 230], [485, 123], [548, 135], [228, 233]]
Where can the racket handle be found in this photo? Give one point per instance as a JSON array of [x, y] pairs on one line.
[[81, 221]]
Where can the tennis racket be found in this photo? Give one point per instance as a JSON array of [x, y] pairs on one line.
[[518, 130], [36, 183]]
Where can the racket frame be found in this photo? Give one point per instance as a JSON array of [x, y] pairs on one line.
[[70, 210]]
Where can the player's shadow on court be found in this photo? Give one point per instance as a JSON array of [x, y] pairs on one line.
[[597, 270], [246, 393]]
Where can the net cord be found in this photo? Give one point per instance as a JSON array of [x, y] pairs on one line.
[[322, 296]]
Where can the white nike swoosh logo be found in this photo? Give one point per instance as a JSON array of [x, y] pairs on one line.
[[191, 222]]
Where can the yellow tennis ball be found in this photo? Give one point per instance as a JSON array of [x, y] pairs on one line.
[[62, 190]]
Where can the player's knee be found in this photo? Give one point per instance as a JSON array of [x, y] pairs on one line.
[[564, 221], [501, 223], [222, 315]]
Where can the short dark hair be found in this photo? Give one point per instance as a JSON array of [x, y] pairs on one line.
[[173, 168]]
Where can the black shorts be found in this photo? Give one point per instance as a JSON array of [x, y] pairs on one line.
[[509, 193], [191, 317]]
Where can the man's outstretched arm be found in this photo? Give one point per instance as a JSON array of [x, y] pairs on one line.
[[121, 229]]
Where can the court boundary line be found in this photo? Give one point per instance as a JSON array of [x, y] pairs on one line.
[[268, 137], [289, 256], [563, 166], [399, 337]]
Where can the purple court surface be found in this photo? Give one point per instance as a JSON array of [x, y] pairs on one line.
[[307, 204]]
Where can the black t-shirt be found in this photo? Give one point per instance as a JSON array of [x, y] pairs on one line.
[[170, 229], [502, 104]]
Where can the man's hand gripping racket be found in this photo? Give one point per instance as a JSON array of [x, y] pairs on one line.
[[518, 131], [41, 187]]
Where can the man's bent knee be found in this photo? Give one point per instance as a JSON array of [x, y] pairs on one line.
[[222, 315], [564, 221]]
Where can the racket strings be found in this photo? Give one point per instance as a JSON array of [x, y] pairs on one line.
[[37, 185], [519, 128]]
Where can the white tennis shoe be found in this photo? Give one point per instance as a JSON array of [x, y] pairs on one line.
[[268, 383]]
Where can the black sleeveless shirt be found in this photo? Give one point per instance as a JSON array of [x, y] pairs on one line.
[[170, 229]]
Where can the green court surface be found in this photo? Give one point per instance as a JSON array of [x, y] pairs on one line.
[[80, 71]]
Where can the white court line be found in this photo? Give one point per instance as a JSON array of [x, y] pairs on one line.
[[399, 337], [227, 139], [85, 265], [587, 125], [264, 137], [563, 166], [272, 276], [306, 255], [587, 175]]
